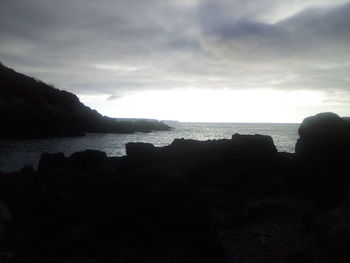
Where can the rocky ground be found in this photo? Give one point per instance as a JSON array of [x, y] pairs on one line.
[[235, 200]]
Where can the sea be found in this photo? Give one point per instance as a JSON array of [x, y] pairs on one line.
[[15, 154]]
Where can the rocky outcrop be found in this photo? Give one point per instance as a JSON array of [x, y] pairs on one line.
[[118, 216], [238, 150], [323, 154], [323, 160], [32, 109], [230, 200], [324, 136], [157, 204]]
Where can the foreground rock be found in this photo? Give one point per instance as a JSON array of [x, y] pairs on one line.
[[32, 109], [324, 157], [323, 152], [236, 200], [153, 205], [324, 136]]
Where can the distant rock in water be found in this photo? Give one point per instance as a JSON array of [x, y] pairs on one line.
[[325, 135], [32, 109]]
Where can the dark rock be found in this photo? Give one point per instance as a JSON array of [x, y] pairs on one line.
[[299, 256], [66, 178], [255, 144], [325, 136], [191, 201], [240, 148], [87, 159], [104, 169], [323, 157], [333, 228], [5, 214], [49, 161], [139, 152], [28, 169], [80, 260]]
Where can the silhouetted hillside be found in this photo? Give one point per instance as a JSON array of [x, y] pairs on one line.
[[30, 108]]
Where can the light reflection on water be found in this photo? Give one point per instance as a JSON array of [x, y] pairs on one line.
[[15, 154]]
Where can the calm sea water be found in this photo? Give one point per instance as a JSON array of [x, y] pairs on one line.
[[14, 154]]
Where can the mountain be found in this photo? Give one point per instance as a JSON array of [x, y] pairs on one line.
[[30, 108]]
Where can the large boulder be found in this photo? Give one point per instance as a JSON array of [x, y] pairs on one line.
[[323, 156], [325, 135]]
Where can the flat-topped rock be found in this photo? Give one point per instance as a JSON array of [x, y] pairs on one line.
[[242, 147]]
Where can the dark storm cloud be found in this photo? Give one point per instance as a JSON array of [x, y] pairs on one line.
[[310, 29], [113, 47], [311, 45], [74, 37]]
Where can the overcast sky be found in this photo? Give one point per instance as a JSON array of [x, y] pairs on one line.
[[191, 60]]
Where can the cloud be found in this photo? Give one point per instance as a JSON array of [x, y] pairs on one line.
[[113, 97], [308, 49], [118, 47]]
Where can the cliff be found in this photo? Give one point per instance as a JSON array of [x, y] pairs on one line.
[[32, 109]]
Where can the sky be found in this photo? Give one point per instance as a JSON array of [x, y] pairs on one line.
[[186, 60]]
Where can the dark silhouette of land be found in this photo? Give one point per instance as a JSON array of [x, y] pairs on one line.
[[30, 108], [231, 200]]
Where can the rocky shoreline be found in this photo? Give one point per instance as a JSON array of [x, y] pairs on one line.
[[231, 200]]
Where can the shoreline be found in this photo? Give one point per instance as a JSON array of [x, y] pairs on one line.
[[29, 151], [190, 201]]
